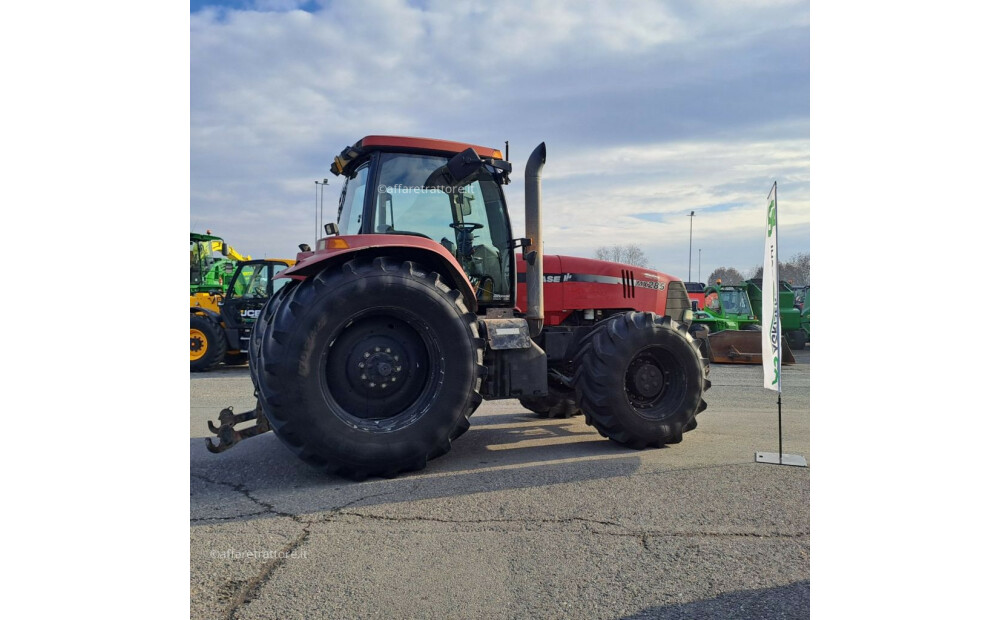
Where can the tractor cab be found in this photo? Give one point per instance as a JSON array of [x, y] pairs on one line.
[[728, 300], [422, 188], [726, 307], [205, 264], [249, 289], [213, 263]]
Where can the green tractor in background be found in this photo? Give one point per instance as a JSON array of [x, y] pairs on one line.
[[213, 263], [228, 290], [794, 317], [727, 307], [727, 328]]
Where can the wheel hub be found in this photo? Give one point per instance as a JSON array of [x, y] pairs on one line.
[[645, 381], [648, 380], [198, 346], [379, 367]]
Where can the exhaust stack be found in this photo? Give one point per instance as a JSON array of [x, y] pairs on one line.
[[533, 230]]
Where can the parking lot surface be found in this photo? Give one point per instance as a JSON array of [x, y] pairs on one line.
[[524, 518]]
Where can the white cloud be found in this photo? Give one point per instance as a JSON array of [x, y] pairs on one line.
[[660, 109]]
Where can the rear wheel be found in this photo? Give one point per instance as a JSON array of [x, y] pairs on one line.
[[557, 404], [257, 332], [207, 347], [370, 368], [640, 380]]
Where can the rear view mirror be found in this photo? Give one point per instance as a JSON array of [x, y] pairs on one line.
[[464, 167], [460, 170]]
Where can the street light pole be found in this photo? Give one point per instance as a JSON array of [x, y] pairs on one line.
[[316, 213], [319, 221], [699, 264], [322, 185], [690, 244]]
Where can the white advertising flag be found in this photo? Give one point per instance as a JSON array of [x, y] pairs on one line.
[[770, 320]]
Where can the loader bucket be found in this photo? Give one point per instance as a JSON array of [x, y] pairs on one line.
[[739, 347]]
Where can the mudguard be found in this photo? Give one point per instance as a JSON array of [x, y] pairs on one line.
[[339, 249]]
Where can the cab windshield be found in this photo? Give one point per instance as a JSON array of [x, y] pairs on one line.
[[469, 221], [255, 280], [735, 301], [251, 281], [352, 199]]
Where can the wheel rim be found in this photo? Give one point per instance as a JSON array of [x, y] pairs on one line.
[[199, 344], [653, 382], [378, 367]]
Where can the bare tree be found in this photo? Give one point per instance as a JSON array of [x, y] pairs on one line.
[[795, 271], [630, 254], [728, 275]]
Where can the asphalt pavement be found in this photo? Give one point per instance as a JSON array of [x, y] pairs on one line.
[[524, 518]]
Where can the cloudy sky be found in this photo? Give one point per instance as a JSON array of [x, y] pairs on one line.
[[648, 113]]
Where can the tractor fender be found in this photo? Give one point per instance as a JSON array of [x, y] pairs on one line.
[[215, 316], [337, 250]]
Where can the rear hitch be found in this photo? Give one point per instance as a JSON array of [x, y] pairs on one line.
[[227, 433]]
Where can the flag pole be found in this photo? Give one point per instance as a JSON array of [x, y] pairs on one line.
[[771, 331], [781, 451]]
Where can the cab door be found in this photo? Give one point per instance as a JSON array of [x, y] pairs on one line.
[[252, 285]]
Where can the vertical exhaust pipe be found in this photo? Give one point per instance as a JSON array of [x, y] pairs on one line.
[[533, 231]]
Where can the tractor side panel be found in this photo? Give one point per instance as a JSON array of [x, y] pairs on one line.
[[573, 283]]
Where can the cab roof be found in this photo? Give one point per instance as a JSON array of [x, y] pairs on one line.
[[409, 144], [424, 144]]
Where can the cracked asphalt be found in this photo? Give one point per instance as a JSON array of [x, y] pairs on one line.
[[524, 518]]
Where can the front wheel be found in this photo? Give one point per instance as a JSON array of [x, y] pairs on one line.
[[207, 346], [640, 380]]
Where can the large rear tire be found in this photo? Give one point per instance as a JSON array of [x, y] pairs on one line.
[[370, 369], [207, 343], [556, 404], [258, 331], [640, 380]]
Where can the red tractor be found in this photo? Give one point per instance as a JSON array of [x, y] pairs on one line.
[[416, 307]]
